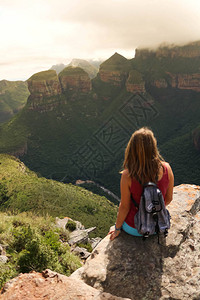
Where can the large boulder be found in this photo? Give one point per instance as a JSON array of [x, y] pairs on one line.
[[51, 285], [145, 270]]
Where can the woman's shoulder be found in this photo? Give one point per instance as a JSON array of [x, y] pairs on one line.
[[126, 176], [167, 166], [125, 173]]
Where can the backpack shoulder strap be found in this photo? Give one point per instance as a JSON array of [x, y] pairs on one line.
[[134, 202], [150, 184]]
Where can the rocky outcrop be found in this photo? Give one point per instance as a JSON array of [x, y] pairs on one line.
[[114, 70], [145, 270], [179, 81], [43, 87], [185, 81], [44, 84], [51, 285], [135, 82], [116, 78], [75, 79]]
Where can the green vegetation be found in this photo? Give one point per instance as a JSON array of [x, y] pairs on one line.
[[116, 62], [13, 97], [87, 246], [22, 190], [33, 243], [72, 71], [71, 225], [14, 133], [135, 77], [44, 75]]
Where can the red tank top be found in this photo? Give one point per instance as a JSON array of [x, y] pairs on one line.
[[136, 191]]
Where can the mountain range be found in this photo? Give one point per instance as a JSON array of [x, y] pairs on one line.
[[74, 127]]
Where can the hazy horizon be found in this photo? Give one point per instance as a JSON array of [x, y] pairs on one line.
[[39, 34]]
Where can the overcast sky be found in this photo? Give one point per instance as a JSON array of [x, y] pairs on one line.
[[36, 34]]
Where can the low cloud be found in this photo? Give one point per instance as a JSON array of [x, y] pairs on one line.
[[36, 31]]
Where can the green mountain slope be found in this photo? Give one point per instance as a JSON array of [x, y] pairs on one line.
[[22, 190], [13, 97]]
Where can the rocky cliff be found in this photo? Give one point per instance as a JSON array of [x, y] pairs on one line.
[[185, 81], [114, 70], [129, 267], [43, 86], [75, 79], [46, 87], [135, 83], [145, 270]]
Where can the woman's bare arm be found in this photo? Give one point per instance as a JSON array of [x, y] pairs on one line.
[[169, 194], [125, 203]]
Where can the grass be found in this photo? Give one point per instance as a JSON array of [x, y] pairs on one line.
[[116, 62], [70, 71], [44, 75], [22, 190]]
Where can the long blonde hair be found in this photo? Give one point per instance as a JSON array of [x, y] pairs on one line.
[[142, 158]]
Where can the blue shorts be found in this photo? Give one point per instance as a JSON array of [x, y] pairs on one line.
[[130, 230]]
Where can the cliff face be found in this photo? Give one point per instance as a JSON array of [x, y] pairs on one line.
[[135, 82], [114, 70], [44, 84], [116, 78], [75, 80], [185, 81]]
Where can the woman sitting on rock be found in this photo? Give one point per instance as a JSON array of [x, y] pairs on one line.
[[142, 163]]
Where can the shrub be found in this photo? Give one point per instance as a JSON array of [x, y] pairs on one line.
[[37, 256], [87, 246], [71, 225], [7, 271]]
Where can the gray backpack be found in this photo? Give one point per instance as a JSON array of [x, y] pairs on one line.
[[152, 216]]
